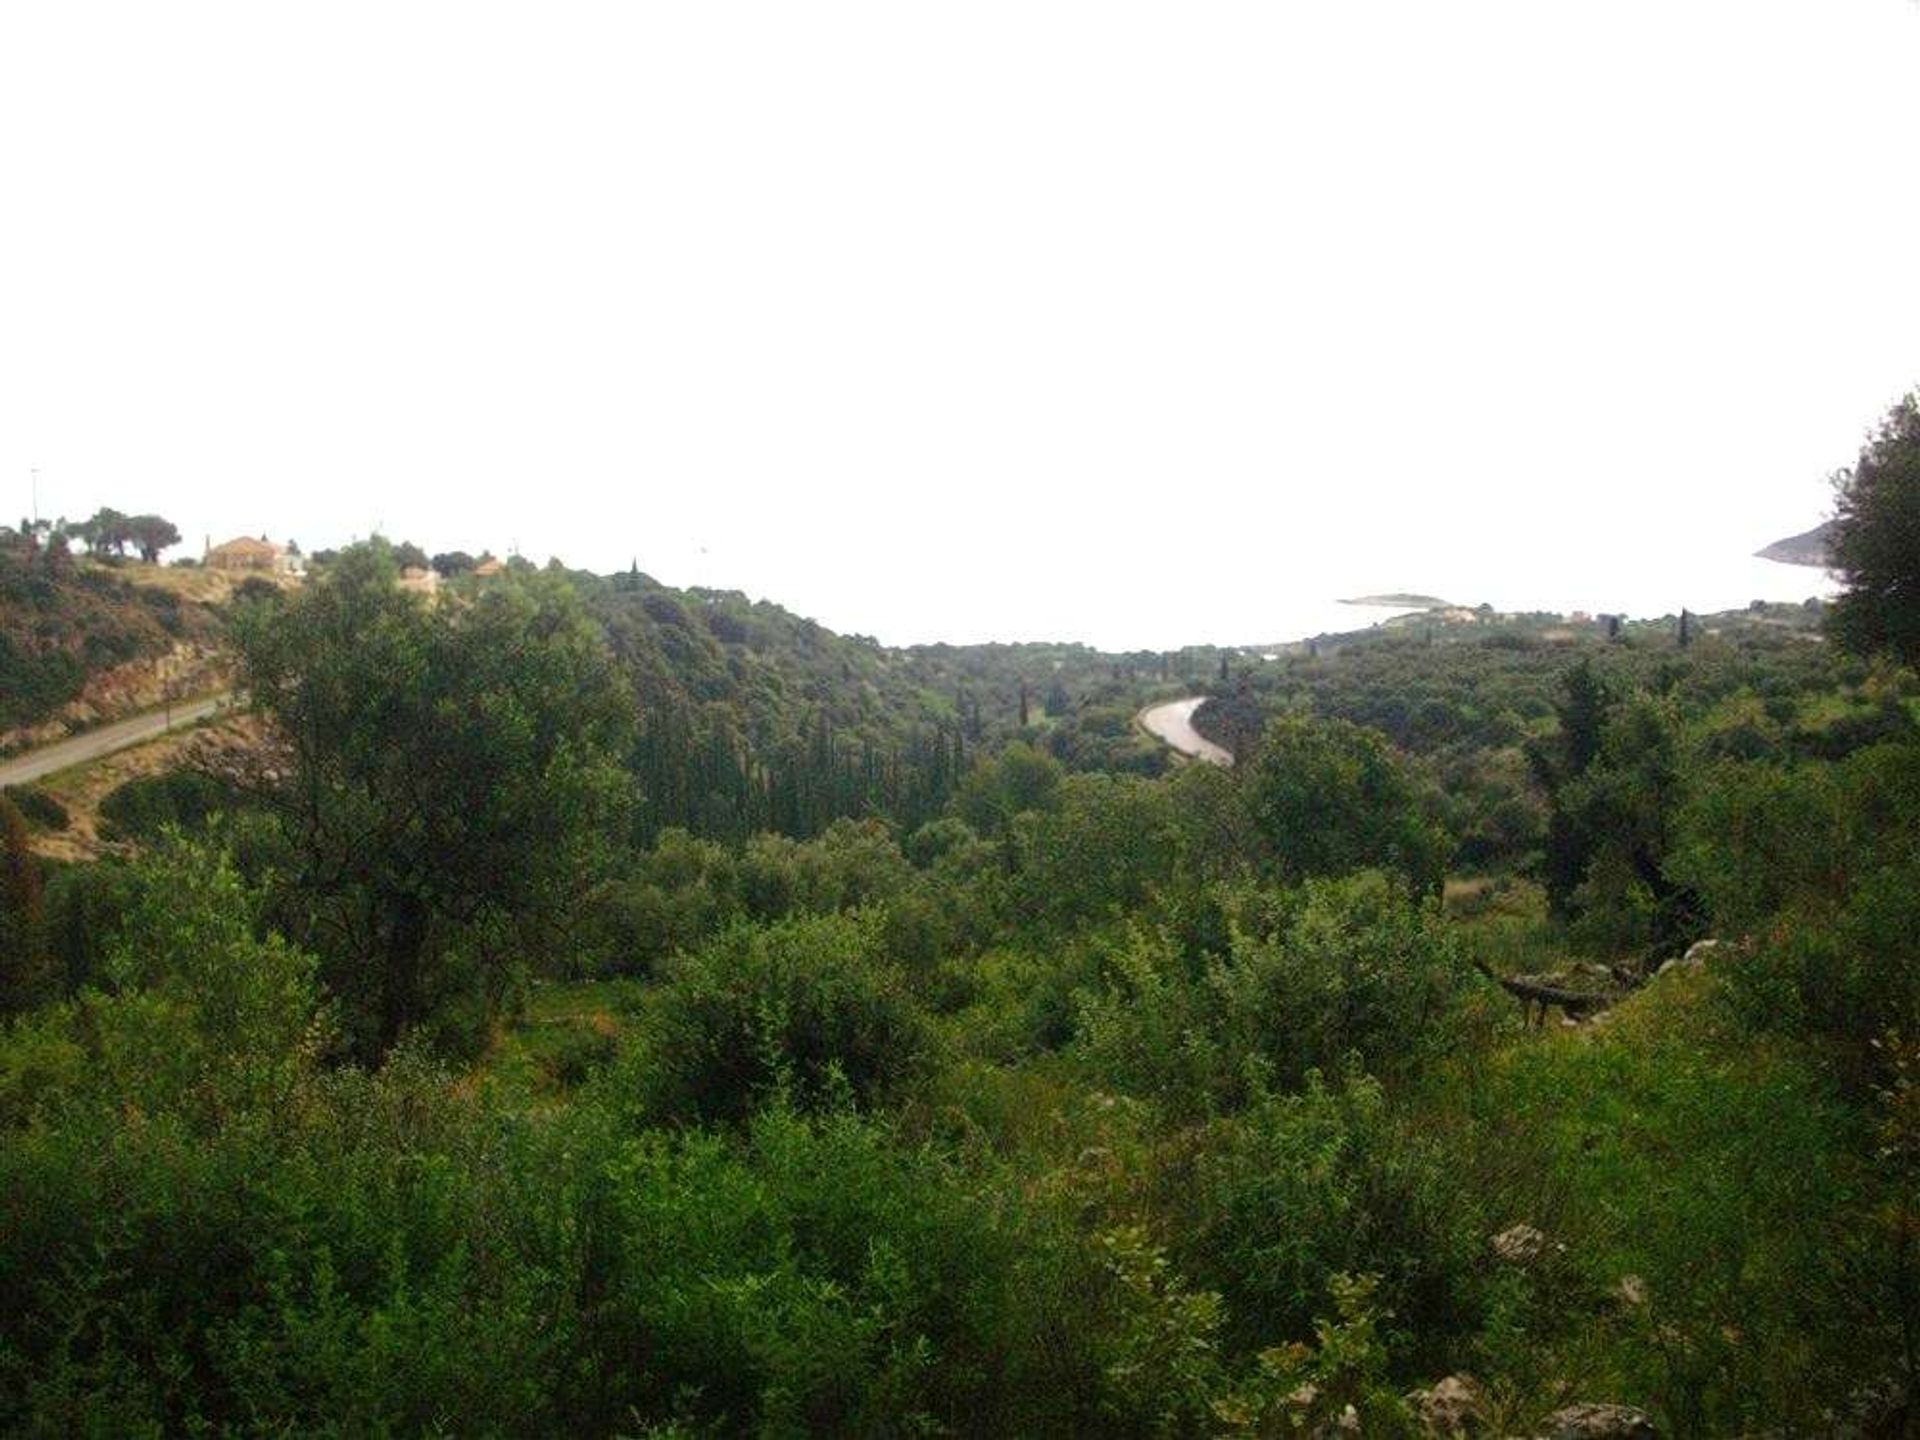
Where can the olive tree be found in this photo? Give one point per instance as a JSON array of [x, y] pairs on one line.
[[453, 784], [1329, 797]]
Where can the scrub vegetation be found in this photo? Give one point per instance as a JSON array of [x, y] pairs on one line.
[[614, 1010]]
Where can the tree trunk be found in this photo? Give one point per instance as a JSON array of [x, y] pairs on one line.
[[403, 1003]]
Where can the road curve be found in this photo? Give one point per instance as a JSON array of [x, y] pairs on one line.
[[1173, 723], [104, 741]]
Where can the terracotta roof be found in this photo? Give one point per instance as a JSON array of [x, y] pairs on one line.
[[245, 545]]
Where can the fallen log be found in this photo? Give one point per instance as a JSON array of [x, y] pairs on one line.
[[1537, 994]]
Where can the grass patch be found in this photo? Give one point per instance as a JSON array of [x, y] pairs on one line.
[[1715, 1258], [564, 1033]]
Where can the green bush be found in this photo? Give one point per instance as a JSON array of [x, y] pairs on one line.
[[1341, 968], [87, 906], [576, 1053], [39, 809], [807, 1006], [1817, 865], [185, 799], [385, 1253], [1329, 797], [1105, 845], [1300, 1189]]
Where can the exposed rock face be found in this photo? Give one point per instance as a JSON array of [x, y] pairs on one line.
[[248, 754], [1598, 1422]]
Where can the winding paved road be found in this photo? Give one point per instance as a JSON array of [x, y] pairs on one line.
[[104, 741], [1173, 723]]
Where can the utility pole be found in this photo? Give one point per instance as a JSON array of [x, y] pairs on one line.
[[36, 497]]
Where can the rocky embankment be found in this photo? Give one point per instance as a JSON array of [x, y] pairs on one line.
[[187, 670]]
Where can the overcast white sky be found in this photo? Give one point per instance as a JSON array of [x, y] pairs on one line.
[[1129, 323]]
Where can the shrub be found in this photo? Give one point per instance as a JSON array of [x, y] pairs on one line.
[[1329, 797], [37, 807], [146, 805], [1818, 864], [1104, 847], [1718, 1168], [1285, 1198], [677, 895], [806, 1005], [1341, 968], [576, 1053]]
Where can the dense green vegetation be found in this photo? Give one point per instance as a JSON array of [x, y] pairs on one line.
[[752, 719], [455, 1078]]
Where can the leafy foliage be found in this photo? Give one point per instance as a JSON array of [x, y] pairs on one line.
[[23, 942], [1876, 539], [184, 799], [36, 807], [808, 1008], [454, 780], [1338, 970], [62, 622], [1330, 797], [963, 1090]]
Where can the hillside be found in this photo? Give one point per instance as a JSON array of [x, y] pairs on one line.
[[82, 642], [377, 1067], [754, 718]]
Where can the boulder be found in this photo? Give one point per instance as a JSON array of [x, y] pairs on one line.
[[1698, 955], [1520, 1244], [1448, 1408], [1631, 1292]]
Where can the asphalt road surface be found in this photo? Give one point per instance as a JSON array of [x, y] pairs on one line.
[[104, 741], [1173, 723]]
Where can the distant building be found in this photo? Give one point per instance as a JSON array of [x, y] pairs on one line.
[[489, 566], [246, 553], [420, 580]]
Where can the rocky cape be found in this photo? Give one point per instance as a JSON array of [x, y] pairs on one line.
[[1811, 547]]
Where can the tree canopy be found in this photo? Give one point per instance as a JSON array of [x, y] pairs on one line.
[[1329, 797], [1876, 539], [455, 775]]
